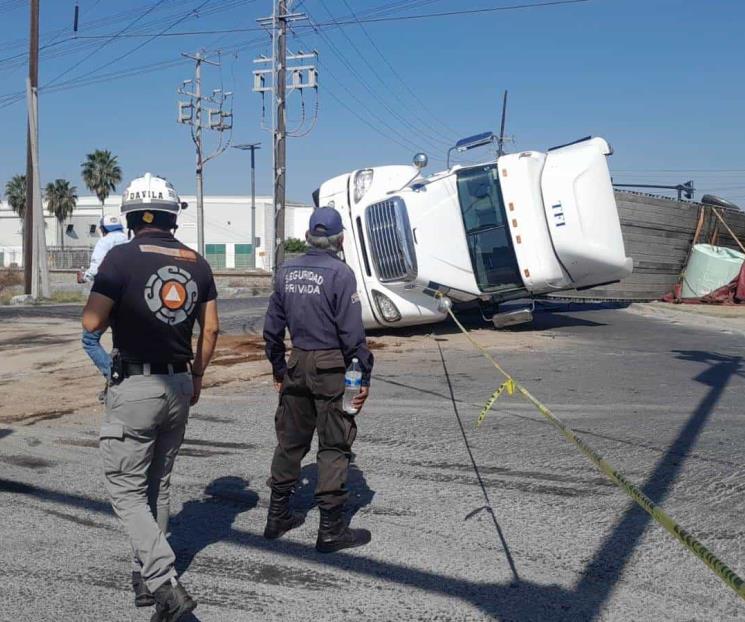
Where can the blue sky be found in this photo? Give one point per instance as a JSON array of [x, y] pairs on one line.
[[661, 80]]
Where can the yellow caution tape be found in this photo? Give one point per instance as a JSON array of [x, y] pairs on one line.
[[722, 570], [509, 385]]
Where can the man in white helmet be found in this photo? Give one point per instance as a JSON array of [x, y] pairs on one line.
[[151, 291], [112, 234]]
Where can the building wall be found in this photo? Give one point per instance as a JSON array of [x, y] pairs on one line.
[[227, 223]]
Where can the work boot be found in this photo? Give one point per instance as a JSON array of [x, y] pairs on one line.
[[172, 602], [334, 534], [143, 596], [279, 519]]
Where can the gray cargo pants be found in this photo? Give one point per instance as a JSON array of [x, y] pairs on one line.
[[141, 434]]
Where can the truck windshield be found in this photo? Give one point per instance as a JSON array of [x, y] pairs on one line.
[[489, 242]]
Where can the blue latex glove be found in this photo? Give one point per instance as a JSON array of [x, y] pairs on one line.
[[99, 356]]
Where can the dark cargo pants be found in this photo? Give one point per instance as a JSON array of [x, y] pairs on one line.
[[311, 399], [141, 434]]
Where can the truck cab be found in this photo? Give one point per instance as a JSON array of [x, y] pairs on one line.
[[518, 226]]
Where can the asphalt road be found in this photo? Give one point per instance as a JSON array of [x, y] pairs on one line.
[[505, 522], [237, 315]]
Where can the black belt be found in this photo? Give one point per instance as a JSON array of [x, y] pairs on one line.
[[139, 369]]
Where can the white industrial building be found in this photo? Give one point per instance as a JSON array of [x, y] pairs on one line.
[[227, 224]]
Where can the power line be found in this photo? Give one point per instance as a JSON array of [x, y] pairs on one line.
[[104, 44], [369, 124], [513, 7], [395, 72], [434, 140], [373, 93], [108, 21], [22, 55], [347, 22], [393, 7], [12, 98], [87, 41], [395, 134], [152, 38]]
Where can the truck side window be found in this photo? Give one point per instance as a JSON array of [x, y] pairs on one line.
[[489, 242]]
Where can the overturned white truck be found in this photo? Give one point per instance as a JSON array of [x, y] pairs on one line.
[[523, 225]]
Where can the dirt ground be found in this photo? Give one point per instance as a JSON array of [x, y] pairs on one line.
[[45, 375], [719, 317]]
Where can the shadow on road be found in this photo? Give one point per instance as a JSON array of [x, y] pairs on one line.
[[206, 521], [202, 522], [360, 494], [546, 317], [605, 569], [487, 507], [55, 496]]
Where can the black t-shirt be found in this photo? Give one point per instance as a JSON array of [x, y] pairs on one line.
[[157, 285]]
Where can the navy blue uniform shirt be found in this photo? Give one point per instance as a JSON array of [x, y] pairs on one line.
[[315, 296]]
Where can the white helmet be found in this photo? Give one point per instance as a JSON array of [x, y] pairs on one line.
[[150, 193]]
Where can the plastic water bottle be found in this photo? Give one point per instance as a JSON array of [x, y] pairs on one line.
[[352, 386]]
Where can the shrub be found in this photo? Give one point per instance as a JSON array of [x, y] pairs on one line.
[[293, 245], [10, 278]]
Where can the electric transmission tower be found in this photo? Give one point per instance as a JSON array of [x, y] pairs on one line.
[[281, 75], [192, 112]]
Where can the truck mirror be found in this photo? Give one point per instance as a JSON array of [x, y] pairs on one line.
[[421, 160]]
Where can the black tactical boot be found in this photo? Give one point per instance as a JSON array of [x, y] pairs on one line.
[[143, 597], [334, 534], [279, 519], [172, 602]]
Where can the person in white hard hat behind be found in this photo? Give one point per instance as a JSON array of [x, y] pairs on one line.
[[112, 234], [151, 291]]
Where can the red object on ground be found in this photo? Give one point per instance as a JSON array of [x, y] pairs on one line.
[[731, 294]]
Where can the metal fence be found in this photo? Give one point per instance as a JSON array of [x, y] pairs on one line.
[[59, 258]]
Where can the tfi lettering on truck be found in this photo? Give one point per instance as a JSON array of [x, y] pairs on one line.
[[559, 220], [516, 227]]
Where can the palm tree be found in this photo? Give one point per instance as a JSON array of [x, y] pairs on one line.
[[15, 192], [61, 198], [101, 173]]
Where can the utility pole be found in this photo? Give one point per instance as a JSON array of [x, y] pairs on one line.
[[28, 226], [252, 147], [39, 268], [280, 147], [198, 140], [191, 113], [302, 77]]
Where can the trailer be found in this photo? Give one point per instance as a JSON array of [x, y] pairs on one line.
[[516, 227]]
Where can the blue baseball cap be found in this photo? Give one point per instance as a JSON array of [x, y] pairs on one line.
[[325, 221], [111, 223]]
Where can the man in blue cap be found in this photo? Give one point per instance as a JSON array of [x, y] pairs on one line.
[[112, 234], [315, 297]]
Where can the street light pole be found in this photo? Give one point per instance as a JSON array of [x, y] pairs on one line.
[[252, 147]]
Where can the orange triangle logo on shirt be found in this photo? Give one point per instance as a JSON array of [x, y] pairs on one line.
[[173, 295]]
